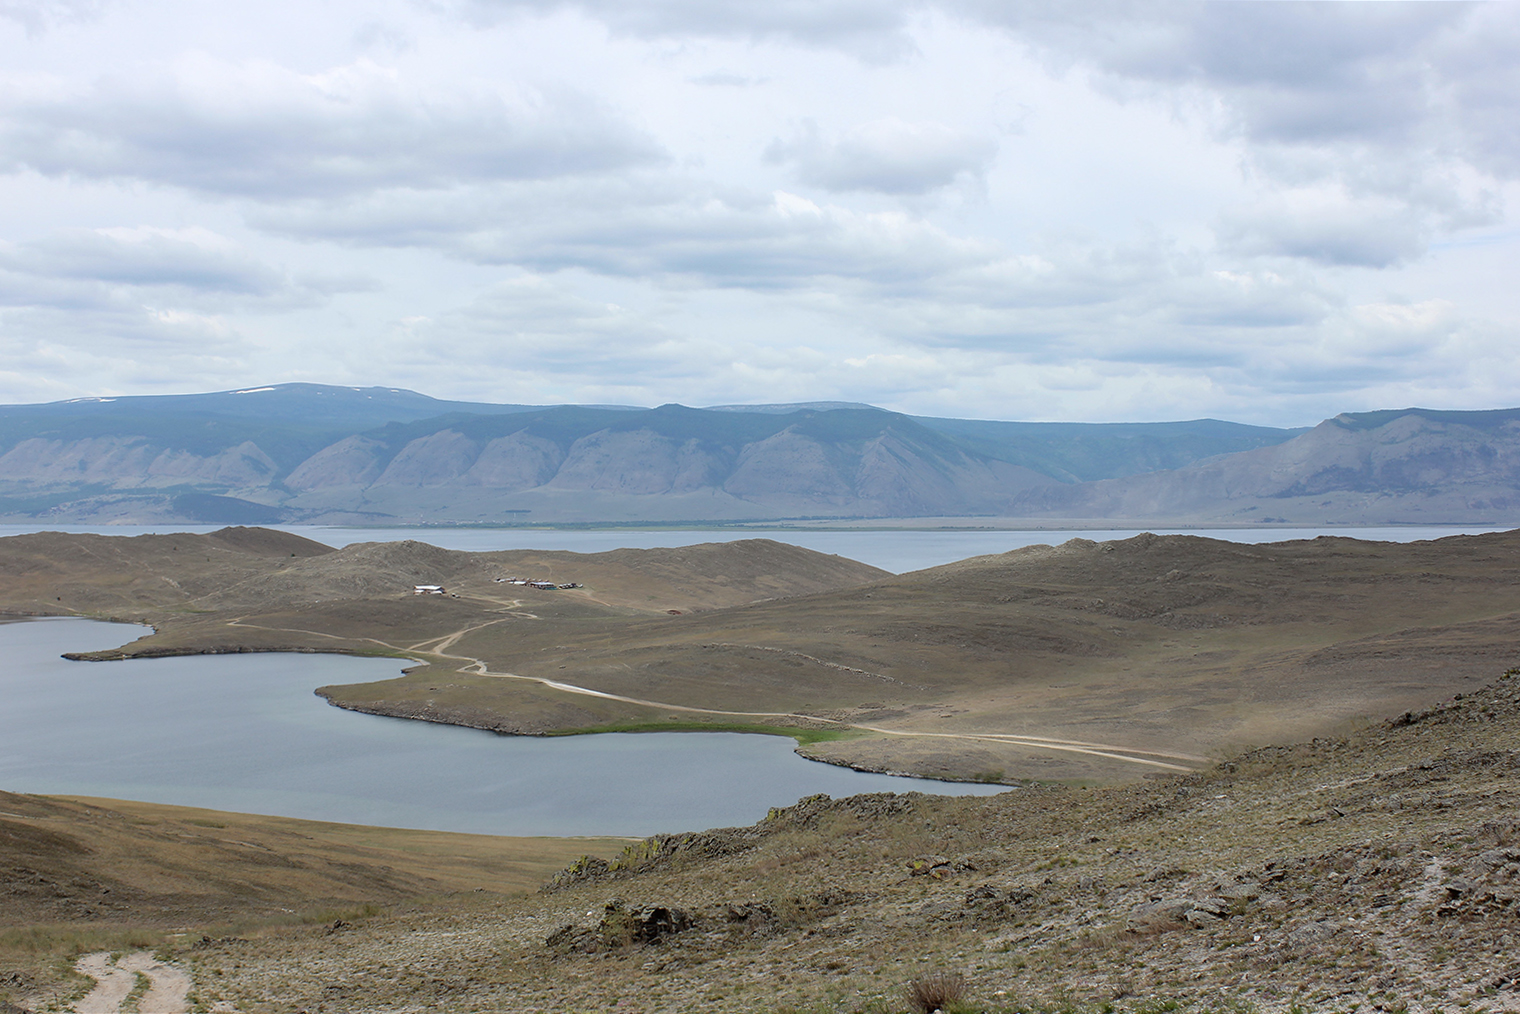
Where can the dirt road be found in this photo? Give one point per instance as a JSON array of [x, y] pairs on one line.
[[117, 981], [1145, 758]]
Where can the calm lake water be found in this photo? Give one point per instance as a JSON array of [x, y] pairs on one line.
[[898, 551], [245, 733]]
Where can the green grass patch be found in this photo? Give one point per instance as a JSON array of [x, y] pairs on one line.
[[804, 737]]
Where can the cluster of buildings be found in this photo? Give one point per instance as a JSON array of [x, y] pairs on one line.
[[540, 585], [438, 589]]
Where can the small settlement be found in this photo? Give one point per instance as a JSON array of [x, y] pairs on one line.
[[540, 585]]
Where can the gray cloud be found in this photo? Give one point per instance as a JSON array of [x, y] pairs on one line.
[[1394, 104], [887, 156], [117, 270], [1367, 77], [1482, 71], [1291, 71], [269, 133], [153, 258], [1365, 235], [872, 29], [894, 273], [653, 229]]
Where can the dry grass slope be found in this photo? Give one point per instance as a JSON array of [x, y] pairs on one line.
[[81, 875], [1374, 871]]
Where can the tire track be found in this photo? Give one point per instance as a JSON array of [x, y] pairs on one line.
[[116, 980]]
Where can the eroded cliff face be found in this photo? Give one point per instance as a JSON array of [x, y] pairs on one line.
[[673, 463], [132, 461], [1410, 468], [791, 471]]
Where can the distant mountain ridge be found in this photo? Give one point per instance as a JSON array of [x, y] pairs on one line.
[[1395, 466], [315, 453], [666, 462]]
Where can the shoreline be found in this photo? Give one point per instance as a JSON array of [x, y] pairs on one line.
[[440, 717], [481, 720]]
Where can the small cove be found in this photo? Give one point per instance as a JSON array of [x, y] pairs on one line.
[[246, 733]]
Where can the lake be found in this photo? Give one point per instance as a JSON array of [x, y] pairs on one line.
[[896, 550], [246, 733]]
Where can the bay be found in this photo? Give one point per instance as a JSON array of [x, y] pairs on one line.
[[246, 733]]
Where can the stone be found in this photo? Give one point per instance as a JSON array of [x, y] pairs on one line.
[[1165, 914], [920, 866]]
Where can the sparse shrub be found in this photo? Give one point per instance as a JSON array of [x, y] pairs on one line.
[[938, 991]]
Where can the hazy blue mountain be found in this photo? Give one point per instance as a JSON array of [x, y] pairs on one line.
[[664, 463], [1397, 466], [339, 454], [1086, 452]]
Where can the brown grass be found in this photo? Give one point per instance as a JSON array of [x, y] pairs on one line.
[[937, 991]]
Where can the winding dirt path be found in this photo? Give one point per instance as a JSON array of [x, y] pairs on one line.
[[1106, 750], [1160, 759], [168, 990]]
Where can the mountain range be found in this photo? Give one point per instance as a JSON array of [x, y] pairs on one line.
[[338, 455]]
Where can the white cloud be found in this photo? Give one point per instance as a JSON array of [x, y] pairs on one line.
[[888, 156], [256, 129]]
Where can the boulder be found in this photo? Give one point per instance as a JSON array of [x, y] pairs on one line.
[[1164, 914]]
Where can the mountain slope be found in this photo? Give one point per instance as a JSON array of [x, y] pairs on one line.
[[640, 464], [1414, 465], [1087, 452], [306, 452]]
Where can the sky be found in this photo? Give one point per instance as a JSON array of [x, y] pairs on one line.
[[1265, 212]]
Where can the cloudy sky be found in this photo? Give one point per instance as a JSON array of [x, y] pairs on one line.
[[1263, 212]]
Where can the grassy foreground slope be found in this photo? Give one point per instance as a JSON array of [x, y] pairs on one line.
[[80, 874], [1375, 871]]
